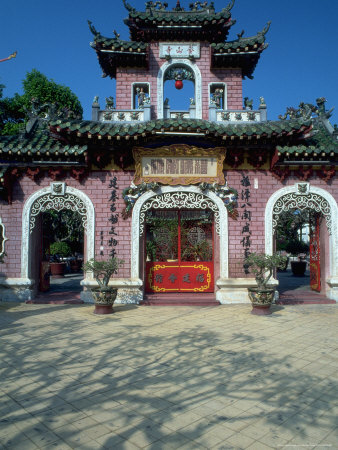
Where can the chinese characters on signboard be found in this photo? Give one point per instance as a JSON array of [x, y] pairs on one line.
[[164, 166], [179, 50], [179, 164], [246, 218]]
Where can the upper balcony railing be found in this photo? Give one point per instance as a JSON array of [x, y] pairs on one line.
[[226, 116]]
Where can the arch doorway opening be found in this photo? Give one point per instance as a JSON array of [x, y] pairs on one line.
[[179, 250], [61, 252], [302, 236], [37, 239]]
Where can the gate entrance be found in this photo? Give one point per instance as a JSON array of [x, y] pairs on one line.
[[179, 251]]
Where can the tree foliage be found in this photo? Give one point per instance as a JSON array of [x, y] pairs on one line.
[[64, 226], [288, 230], [13, 110]]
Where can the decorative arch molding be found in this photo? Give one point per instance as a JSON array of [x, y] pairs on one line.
[[3, 238], [57, 196], [198, 84], [179, 200], [179, 197], [305, 197]]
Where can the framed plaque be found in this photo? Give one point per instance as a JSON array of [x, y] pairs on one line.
[[179, 164]]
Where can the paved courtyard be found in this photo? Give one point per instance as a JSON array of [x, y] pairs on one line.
[[168, 378]]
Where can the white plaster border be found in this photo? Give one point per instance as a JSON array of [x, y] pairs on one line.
[[223, 232], [26, 217], [3, 247], [198, 84], [333, 237]]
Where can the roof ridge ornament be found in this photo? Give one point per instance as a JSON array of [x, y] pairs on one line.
[[178, 6], [306, 110], [128, 7], [265, 29], [230, 5], [201, 5], [93, 29]]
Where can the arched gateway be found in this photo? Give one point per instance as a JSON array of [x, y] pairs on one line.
[[57, 196], [304, 196], [179, 198]]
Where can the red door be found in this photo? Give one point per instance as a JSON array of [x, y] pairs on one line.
[[315, 252], [179, 251]]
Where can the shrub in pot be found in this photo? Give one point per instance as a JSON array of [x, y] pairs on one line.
[[104, 295], [263, 266], [59, 250]]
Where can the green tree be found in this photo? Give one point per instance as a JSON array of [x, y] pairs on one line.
[[64, 226], [289, 226], [13, 110]]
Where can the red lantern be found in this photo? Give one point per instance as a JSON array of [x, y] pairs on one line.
[[178, 84]]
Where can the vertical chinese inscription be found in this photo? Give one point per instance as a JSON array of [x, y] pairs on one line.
[[246, 218], [113, 219]]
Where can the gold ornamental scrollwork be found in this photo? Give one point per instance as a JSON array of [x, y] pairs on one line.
[[183, 154]]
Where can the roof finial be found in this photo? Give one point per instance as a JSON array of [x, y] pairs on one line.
[[265, 29], [92, 28], [127, 6], [178, 6], [230, 5]]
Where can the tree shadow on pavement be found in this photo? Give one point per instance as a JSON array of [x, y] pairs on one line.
[[78, 379]]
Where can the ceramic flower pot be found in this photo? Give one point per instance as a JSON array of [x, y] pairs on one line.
[[57, 270], [104, 299], [261, 300], [298, 268]]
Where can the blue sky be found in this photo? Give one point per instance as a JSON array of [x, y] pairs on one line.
[[300, 64]]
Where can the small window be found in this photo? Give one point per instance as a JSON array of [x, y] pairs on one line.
[[141, 95], [217, 95]]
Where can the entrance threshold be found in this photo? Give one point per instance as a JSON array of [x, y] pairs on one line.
[[57, 298], [303, 298], [179, 299]]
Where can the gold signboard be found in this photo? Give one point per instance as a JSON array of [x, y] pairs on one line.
[[179, 164]]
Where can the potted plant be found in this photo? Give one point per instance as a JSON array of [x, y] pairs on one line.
[[263, 266], [201, 251], [104, 295], [58, 250], [298, 248]]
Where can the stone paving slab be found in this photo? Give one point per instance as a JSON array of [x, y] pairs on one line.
[[167, 378]]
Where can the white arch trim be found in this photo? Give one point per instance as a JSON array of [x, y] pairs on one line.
[[333, 238], [223, 226], [2, 247], [26, 220], [198, 84]]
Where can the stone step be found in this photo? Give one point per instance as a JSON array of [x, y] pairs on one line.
[[57, 298], [180, 300], [303, 298]]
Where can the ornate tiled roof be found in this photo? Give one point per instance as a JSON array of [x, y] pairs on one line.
[[38, 144], [243, 52], [321, 145], [157, 22], [193, 126], [115, 52]]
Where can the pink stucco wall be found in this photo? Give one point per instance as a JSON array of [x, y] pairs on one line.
[[96, 187]]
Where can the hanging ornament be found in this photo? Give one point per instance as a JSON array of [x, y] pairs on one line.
[[178, 84]]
